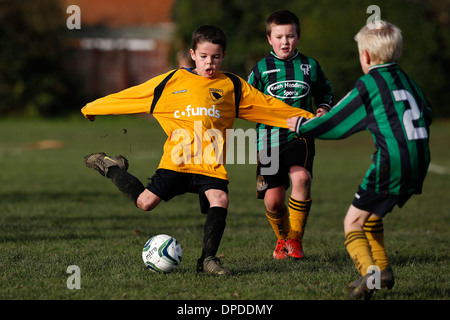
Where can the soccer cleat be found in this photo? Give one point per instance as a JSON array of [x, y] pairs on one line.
[[386, 280], [211, 265], [294, 248], [361, 290], [101, 162], [280, 252]]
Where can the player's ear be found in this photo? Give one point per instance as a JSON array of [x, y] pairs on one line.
[[366, 57], [192, 54]]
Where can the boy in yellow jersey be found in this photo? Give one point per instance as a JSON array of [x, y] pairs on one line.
[[195, 107]]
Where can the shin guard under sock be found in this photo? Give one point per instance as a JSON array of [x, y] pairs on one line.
[[126, 182], [280, 223], [374, 232], [213, 231], [359, 250], [298, 215]]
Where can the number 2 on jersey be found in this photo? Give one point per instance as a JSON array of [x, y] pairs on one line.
[[412, 132]]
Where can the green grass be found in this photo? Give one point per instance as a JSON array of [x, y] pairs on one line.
[[56, 213]]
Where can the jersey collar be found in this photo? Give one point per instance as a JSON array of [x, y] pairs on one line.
[[383, 65], [291, 58]]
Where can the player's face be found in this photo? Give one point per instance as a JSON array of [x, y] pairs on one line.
[[208, 58], [283, 39]]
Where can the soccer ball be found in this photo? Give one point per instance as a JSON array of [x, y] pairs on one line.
[[162, 253]]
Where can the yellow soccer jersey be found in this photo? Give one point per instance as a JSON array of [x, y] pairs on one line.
[[195, 113]]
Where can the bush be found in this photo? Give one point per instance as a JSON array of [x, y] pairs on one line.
[[33, 80]]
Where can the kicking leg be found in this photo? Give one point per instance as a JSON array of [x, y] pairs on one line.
[[115, 168]]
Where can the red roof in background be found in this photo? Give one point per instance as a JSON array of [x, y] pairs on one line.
[[123, 13]]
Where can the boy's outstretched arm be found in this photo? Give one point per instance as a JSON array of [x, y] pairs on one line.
[[261, 108], [344, 119], [129, 101], [133, 100]]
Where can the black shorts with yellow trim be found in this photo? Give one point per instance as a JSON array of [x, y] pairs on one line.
[[379, 204], [168, 184], [297, 152]]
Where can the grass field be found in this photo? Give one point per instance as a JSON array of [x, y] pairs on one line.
[[56, 213]]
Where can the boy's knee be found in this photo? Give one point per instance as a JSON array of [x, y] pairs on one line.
[[217, 198], [147, 201], [221, 200], [144, 205], [274, 200], [355, 219], [301, 178], [276, 206]]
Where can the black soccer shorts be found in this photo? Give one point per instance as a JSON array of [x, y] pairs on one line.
[[299, 152], [168, 184], [380, 204]]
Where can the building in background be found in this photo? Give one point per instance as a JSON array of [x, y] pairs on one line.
[[121, 43]]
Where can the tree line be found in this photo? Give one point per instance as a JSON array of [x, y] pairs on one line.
[[33, 40]]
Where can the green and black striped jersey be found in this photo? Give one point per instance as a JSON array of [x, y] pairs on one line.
[[392, 107], [296, 81]]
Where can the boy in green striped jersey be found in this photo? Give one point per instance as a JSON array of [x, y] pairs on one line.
[[392, 107], [295, 79]]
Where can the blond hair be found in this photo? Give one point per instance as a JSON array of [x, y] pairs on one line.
[[382, 40]]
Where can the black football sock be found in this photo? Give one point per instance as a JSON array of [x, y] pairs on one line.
[[126, 182], [213, 231]]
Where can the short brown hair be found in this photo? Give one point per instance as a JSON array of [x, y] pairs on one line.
[[282, 17], [208, 33]]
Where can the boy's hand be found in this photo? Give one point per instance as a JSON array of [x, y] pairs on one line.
[[292, 123], [90, 117], [320, 112], [295, 123]]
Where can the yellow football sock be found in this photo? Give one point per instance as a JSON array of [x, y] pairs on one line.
[[358, 248], [279, 222], [374, 232], [298, 215]]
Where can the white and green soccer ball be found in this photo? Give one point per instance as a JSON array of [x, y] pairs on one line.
[[162, 253]]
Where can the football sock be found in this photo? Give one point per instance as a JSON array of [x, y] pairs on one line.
[[358, 248], [127, 183], [374, 232], [279, 222], [298, 215], [213, 231]]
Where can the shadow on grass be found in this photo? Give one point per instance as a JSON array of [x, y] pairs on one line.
[[54, 196]]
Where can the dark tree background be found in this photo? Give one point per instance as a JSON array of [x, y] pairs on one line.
[[328, 28], [33, 80], [34, 43]]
